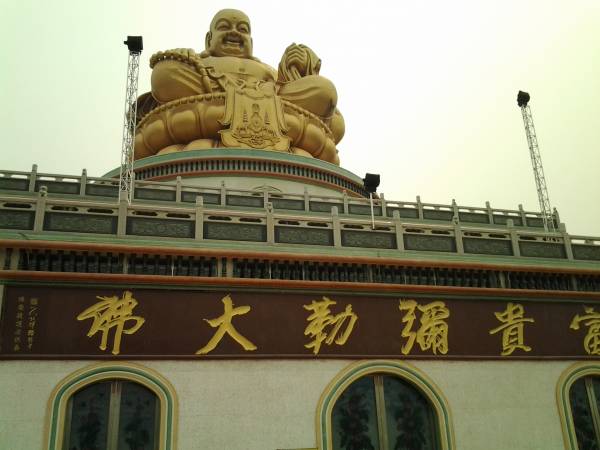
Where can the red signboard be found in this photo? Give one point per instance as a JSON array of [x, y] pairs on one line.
[[108, 322]]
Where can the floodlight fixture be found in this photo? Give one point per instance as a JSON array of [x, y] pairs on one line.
[[371, 182], [134, 44], [523, 98]]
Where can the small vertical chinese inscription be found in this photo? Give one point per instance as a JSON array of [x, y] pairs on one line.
[[513, 322], [433, 331], [32, 318], [591, 319], [19, 325], [322, 318]]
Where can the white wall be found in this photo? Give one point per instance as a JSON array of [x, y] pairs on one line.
[[270, 404]]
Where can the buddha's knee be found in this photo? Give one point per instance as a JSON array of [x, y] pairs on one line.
[[314, 93], [173, 79]]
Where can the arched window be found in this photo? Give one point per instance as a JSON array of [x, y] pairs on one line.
[[584, 399], [112, 415], [579, 406], [112, 407], [383, 405]]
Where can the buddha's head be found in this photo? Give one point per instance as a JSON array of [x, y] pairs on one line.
[[229, 34]]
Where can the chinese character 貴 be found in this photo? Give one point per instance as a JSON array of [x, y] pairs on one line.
[[512, 328]]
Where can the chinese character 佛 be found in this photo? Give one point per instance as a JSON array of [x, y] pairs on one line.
[[113, 312], [591, 319], [224, 325], [433, 332], [321, 318], [512, 328]]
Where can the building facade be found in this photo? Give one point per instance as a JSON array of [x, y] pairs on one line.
[[253, 318]]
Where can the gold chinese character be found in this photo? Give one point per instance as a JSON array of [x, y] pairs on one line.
[[225, 326], [512, 328], [591, 319], [322, 318], [112, 312], [433, 332], [33, 301]]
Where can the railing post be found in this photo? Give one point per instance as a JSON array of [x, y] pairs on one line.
[[223, 194], [490, 213], [33, 178], [556, 217], [383, 205], [399, 230], [306, 200], [460, 249], [40, 210], [455, 210], [270, 224], [336, 226], [178, 189], [523, 216], [514, 238], [419, 207], [199, 224], [566, 240], [345, 201], [82, 182], [122, 217]]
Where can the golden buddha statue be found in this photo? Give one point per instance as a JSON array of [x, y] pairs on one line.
[[225, 97]]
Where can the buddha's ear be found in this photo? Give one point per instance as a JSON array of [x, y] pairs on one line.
[[207, 40]]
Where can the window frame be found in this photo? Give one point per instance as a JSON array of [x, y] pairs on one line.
[[563, 388], [59, 401], [402, 370]]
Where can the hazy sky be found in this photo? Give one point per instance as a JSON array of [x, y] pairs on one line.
[[428, 88]]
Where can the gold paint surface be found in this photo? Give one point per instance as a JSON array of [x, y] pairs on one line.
[[513, 322], [432, 333], [224, 326], [324, 327], [591, 319], [112, 312], [227, 96]]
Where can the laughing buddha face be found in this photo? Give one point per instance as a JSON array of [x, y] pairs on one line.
[[229, 34]]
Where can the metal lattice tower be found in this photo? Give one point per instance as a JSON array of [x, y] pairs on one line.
[[536, 161], [127, 176]]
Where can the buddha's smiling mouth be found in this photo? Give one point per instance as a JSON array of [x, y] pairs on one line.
[[233, 41]]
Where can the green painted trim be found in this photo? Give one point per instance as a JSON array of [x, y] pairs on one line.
[[58, 398], [357, 371], [433, 257], [239, 153]]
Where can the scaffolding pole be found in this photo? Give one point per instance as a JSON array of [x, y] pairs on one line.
[[127, 175], [536, 161]]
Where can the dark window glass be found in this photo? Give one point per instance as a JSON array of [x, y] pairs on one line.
[[381, 412], [584, 397], [89, 418], [112, 415]]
